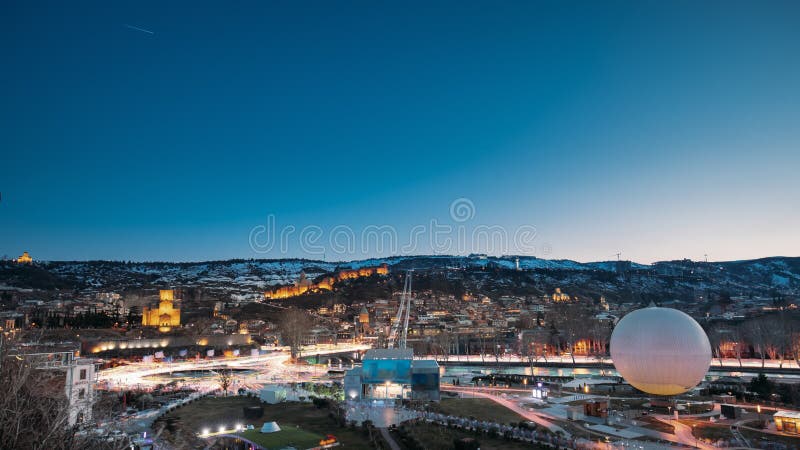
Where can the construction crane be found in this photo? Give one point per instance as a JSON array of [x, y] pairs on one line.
[[401, 319]]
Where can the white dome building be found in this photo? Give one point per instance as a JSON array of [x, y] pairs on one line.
[[661, 351]]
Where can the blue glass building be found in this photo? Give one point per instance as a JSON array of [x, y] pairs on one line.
[[393, 374]]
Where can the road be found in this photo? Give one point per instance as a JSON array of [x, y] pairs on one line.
[[263, 369], [731, 364]]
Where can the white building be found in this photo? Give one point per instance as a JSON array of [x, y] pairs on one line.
[[79, 388], [78, 384]]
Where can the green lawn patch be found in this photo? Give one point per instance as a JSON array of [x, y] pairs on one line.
[[288, 436], [441, 438], [655, 424], [314, 423], [479, 408], [705, 430], [757, 438]]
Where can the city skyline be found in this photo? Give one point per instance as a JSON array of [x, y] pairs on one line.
[[154, 132]]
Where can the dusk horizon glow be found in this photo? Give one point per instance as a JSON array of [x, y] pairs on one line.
[[152, 132]]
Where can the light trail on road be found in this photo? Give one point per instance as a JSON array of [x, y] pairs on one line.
[[265, 369]]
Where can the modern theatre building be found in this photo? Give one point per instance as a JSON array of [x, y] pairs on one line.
[[393, 374]]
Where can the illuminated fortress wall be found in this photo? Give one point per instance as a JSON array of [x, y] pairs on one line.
[[213, 341], [303, 285]]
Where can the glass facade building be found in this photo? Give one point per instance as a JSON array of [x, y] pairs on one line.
[[393, 374]]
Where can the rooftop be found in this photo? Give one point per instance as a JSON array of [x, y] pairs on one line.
[[788, 414], [389, 353]]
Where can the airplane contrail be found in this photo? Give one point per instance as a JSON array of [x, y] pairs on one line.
[[138, 29]]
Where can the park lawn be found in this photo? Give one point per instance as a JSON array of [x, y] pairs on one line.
[[479, 408], [705, 430], [288, 436], [441, 438], [211, 412], [657, 425], [757, 437]]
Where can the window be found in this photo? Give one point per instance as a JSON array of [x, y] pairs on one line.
[[83, 374], [82, 394]]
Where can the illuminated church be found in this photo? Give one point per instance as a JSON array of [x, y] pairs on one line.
[[166, 315]]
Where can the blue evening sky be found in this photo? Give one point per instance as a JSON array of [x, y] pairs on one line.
[[659, 129]]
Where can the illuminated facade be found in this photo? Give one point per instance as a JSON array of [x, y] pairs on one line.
[[303, 284], [166, 315], [25, 258], [787, 421], [581, 347], [559, 296], [363, 316]]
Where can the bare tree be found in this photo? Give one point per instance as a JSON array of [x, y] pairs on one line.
[[757, 332], [225, 379], [794, 341], [738, 343], [715, 338], [781, 337], [293, 325], [34, 409], [534, 346], [599, 334], [572, 322], [443, 343], [482, 343], [497, 349]]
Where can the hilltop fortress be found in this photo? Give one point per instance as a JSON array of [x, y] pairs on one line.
[[303, 284]]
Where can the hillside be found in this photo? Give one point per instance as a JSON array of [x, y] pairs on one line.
[[667, 280]]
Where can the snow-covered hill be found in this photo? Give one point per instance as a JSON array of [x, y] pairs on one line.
[[252, 276]]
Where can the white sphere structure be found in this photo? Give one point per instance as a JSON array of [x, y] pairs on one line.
[[661, 351]]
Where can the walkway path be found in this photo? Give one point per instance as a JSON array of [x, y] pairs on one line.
[[389, 439], [529, 415], [740, 438], [683, 432]]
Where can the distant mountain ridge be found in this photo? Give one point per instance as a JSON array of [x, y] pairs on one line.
[[256, 275]]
